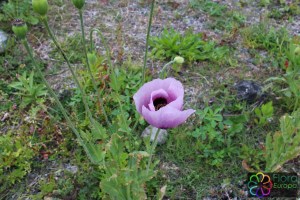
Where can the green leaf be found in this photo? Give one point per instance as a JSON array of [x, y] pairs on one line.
[[113, 188], [284, 145]]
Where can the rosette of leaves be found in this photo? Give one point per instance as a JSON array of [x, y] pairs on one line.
[[284, 145], [191, 46], [17, 9], [29, 90], [126, 173], [15, 160]]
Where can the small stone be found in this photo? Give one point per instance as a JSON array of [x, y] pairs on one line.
[[72, 169], [48, 198], [5, 116], [3, 41], [162, 135]]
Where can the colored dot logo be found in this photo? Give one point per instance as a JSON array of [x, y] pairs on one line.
[[260, 185]]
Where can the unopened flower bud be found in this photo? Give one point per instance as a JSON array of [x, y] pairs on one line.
[[40, 6], [78, 3], [297, 51], [19, 28], [178, 59], [92, 58]]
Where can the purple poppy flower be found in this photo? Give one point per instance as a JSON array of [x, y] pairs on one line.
[[160, 102]]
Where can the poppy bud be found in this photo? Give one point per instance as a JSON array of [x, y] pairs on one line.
[[19, 28], [40, 6], [297, 51], [179, 59], [92, 58], [78, 3]]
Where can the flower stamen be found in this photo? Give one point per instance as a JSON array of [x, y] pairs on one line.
[[159, 103]]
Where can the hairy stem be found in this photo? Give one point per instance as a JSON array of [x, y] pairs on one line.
[[89, 68], [154, 143], [107, 50], [146, 51], [83, 94], [52, 93], [161, 75], [147, 40]]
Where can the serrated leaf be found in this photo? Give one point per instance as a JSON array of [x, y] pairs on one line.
[[284, 145]]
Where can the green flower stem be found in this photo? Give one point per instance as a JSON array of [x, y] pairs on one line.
[[109, 61], [104, 43], [52, 93], [89, 68], [147, 40], [146, 51], [154, 143], [296, 104], [161, 75], [128, 191], [70, 68], [17, 8], [122, 111], [135, 124]]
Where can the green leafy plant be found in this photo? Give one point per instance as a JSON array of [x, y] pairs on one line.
[[72, 47], [283, 145], [216, 133], [283, 9], [15, 156], [265, 113], [253, 158], [212, 8], [190, 46], [263, 36], [29, 90], [222, 17], [18, 9], [126, 175], [288, 85]]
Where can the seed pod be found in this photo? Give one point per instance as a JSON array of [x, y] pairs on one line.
[[78, 3], [40, 6], [19, 28]]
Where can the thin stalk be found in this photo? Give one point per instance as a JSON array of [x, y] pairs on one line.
[[89, 68], [146, 50], [17, 8], [135, 125], [70, 68], [154, 143], [52, 93], [164, 68], [128, 192], [147, 40], [296, 104], [122, 111], [104, 43]]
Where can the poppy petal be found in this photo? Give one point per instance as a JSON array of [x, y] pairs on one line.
[[166, 117]]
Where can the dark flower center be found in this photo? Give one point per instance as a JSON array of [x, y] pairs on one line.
[[159, 103]]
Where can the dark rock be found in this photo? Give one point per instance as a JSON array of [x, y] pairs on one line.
[[248, 91]]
